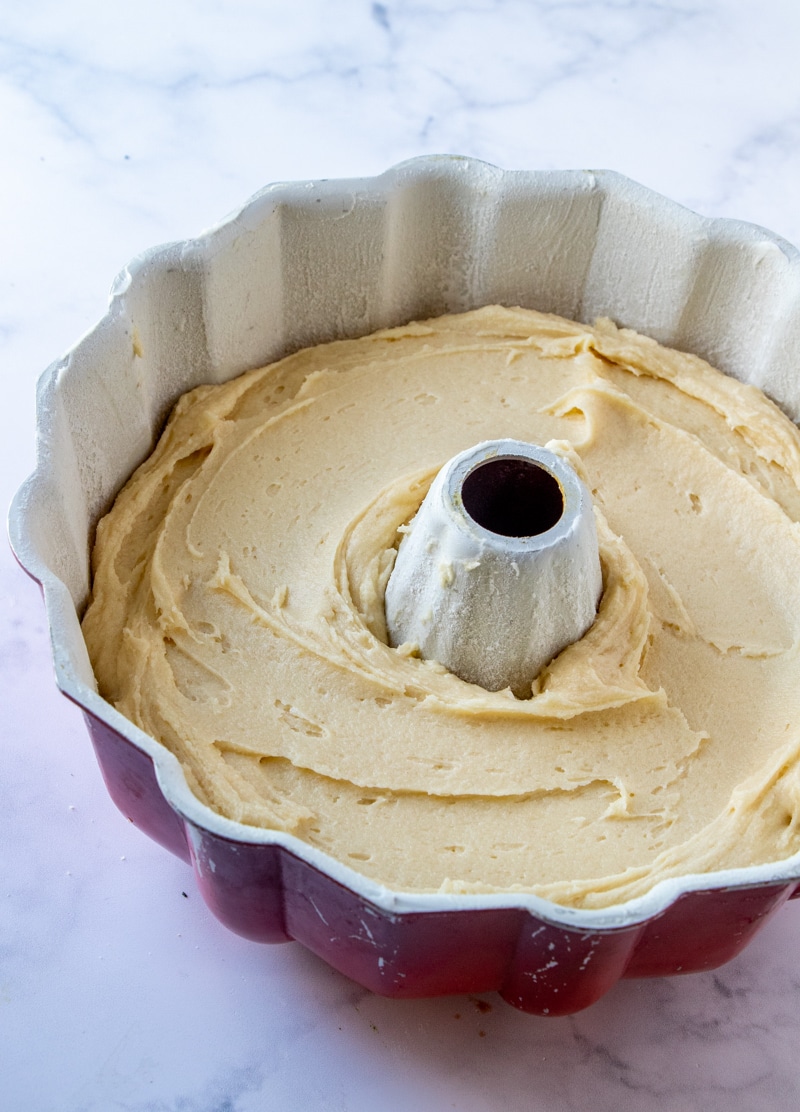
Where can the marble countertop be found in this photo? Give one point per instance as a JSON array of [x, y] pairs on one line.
[[123, 127]]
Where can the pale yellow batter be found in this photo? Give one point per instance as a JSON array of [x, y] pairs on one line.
[[237, 613]]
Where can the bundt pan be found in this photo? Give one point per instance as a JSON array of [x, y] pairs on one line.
[[307, 262]]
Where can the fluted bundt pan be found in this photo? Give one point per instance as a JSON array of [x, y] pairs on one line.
[[307, 262]]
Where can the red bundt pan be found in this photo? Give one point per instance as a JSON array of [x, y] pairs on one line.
[[431, 236]]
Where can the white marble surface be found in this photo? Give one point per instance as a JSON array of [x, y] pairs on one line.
[[123, 126]]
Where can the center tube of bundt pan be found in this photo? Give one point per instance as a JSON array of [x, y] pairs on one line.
[[499, 569]]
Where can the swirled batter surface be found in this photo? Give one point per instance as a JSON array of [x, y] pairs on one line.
[[237, 613]]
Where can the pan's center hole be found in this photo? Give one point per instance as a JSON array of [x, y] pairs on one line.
[[512, 497]]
